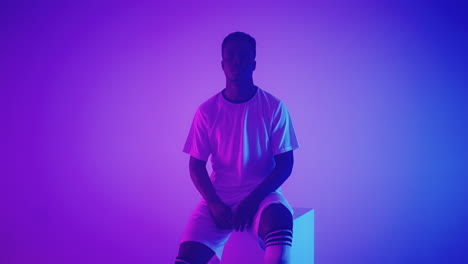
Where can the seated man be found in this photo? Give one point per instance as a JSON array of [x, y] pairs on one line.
[[249, 134]]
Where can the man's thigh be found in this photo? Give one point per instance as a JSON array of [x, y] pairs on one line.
[[202, 228]]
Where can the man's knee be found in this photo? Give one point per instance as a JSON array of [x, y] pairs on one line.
[[192, 252], [276, 225]]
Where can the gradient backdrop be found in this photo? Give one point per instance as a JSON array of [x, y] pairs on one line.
[[97, 99]]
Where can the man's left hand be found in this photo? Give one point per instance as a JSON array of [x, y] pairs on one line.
[[245, 212]]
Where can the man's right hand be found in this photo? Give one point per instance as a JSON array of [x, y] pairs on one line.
[[222, 214]]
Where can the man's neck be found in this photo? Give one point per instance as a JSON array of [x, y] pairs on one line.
[[240, 91]]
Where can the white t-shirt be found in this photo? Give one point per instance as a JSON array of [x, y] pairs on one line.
[[242, 139]]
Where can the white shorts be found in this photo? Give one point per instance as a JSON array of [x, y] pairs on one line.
[[202, 228]]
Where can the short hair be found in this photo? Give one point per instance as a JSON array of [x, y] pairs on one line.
[[240, 36]]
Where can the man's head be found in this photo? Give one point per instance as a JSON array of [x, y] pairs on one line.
[[238, 52]]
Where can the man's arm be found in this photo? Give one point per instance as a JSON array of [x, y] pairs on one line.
[[221, 212], [282, 171], [247, 208], [201, 180]]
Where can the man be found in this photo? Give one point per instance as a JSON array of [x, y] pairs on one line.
[[250, 137]]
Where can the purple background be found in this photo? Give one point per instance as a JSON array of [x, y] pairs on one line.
[[97, 99]]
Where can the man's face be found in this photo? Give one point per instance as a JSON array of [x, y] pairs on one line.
[[238, 60]]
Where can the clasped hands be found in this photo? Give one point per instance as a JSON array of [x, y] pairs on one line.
[[239, 220]]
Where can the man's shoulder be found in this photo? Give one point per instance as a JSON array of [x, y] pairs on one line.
[[210, 104], [269, 98]]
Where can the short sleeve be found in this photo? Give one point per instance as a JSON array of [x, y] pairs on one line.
[[282, 136], [197, 143]]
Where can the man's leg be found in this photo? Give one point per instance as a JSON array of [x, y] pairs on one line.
[[191, 252], [275, 229]]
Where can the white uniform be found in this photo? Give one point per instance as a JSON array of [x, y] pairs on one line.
[[242, 139]]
